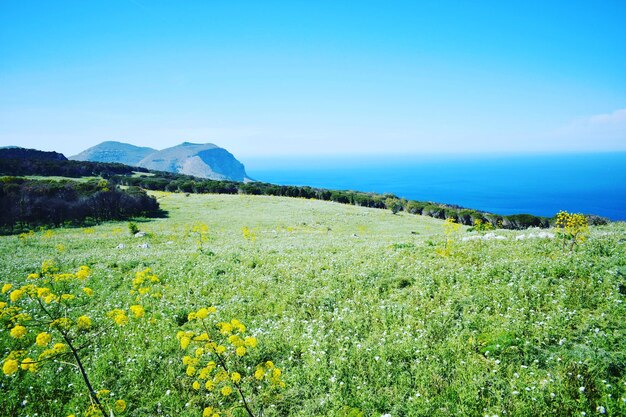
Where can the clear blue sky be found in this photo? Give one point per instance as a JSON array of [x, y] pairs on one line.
[[316, 77]]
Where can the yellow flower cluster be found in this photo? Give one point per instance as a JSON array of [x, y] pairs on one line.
[[216, 362], [83, 323], [42, 291], [572, 227], [16, 359], [10, 366], [248, 234], [270, 372], [210, 412], [43, 339], [117, 406], [138, 310], [18, 331], [201, 314], [143, 284], [119, 316]]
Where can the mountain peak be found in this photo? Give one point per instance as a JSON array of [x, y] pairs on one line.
[[113, 151], [200, 160], [204, 160]]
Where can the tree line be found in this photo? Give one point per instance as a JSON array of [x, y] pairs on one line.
[[120, 174], [187, 184], [26, 204], [15, 166]]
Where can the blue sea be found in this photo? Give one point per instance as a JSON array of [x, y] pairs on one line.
[[592, 183]]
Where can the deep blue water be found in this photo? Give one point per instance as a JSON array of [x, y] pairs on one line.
[[537, 184]]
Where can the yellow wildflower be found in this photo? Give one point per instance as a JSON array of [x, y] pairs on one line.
[[88, 291], [119, 406], [48, 266], [59, 347], [10, 367], [118, 316], [235, 340], [207, 412], [221, 376], [50, 298], [220, 349], [2, 305], [209, 385], [195, 385], [259, 373], [93, 411], [235, 377], [18, 331], [83, 322], [138, 310], [201, 337], [62, 323], [225, 328], [204, 373], [103, 392], [6, 287], [43, 292], [184, 342], [191, 371], [250, 341], [83, 272], [67, 297], [28, 365], [16, 295], [199, 352], [43, 339], [203, 313], [240, 351], [226, 391], [236, 324]]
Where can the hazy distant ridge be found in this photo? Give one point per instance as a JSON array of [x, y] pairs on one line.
[[200, 160], [111, 151]]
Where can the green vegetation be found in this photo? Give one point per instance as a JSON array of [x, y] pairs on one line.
[[126, 176], [26, 204], [357, 307]]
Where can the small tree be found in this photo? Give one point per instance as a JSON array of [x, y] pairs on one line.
[[132, 228], [393, 204]]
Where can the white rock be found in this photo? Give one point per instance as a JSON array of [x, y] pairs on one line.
[[140, 234], [120, 246]]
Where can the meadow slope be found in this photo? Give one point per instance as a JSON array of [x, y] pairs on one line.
[[355, 305]]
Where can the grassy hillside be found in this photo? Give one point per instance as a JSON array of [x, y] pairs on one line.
[[363, 310]]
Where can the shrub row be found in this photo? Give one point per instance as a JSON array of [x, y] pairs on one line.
[[25, 204]]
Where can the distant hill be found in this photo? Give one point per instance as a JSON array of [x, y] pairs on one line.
[[200, 160], [15, 152], [111, 151]]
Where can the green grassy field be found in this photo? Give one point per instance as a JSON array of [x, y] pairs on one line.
[[355, 306]]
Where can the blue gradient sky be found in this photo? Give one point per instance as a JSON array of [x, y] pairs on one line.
[[317, 77]]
